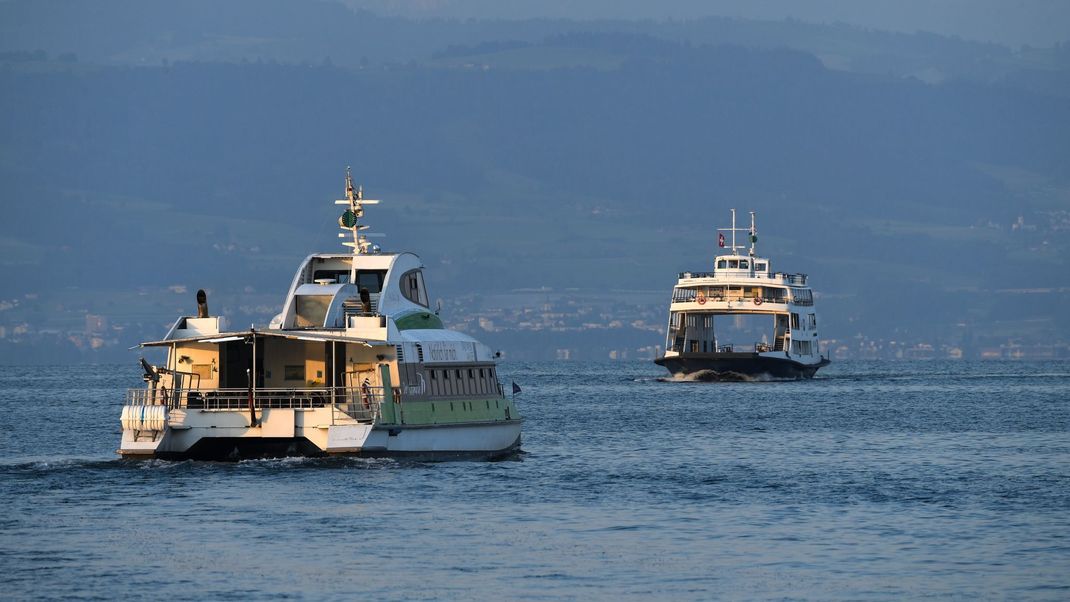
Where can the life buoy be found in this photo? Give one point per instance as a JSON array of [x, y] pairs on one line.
[[757, 300], [700, 299]]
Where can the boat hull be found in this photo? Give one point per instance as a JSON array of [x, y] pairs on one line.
[[738, 366], [209, 440]]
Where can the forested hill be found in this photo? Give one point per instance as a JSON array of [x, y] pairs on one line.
[[151, 32], [597, 160]]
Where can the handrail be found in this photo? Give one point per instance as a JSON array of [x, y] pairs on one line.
[[691, 298], [779, 276], [363, 401], [731, 348]]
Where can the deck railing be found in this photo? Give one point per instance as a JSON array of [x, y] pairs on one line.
[[359, 402], [732, 348], [780, 276]]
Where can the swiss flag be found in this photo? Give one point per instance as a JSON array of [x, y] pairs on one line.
[[720, 239]]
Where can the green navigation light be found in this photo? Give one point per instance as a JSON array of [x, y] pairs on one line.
[[348, 219]]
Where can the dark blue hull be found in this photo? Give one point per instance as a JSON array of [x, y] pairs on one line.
[[737, 366]]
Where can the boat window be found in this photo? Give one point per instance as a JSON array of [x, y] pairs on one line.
[[446, 374], [744, 265], [759, 267], [683, 294], [339, 276], [802, 296], [433, 374], [371, 280], [721, 264], [311, 310], [733, 263], [412, 287]]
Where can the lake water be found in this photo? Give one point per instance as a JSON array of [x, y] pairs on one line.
[[874, 480]]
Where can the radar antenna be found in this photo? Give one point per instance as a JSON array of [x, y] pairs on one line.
[[350, 222]]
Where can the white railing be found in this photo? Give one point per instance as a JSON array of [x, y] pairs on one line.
[[738, 273], [362, 403]]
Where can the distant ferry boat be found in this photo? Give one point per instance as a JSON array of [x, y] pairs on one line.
[[742, 285], [356, 363]]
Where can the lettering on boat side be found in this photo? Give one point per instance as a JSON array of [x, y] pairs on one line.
[[449, 352]]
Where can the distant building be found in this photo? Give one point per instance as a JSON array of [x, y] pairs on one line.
[[95, 324]]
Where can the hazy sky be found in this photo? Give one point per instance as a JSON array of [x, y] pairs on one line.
[[1011, 22]]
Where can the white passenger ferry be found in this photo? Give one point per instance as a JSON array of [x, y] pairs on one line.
[[741, 285], [356, 363]]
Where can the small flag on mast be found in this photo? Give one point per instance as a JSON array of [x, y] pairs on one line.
[[516, 388], [720, 239]]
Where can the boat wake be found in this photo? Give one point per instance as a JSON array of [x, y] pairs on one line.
[[712, 376]]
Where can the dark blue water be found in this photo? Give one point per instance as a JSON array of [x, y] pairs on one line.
[[875, 480]]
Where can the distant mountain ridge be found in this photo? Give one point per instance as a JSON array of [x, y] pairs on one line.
[[150, 32], [522, 154]]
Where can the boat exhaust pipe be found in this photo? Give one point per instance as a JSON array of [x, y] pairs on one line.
[[202, 304]]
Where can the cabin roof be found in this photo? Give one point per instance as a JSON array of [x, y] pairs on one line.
[[337, 335]]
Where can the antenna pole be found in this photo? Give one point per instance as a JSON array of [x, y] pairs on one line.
[[753, 234], [350, 222], [733, 231], [351, 197]]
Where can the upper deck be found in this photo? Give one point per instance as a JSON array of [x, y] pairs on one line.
[[743, 269], [741, 281]]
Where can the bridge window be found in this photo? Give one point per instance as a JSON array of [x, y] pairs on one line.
[[744, 265], [733, 264], [371, 280], [339, 276], [412, 287], [721, 264]]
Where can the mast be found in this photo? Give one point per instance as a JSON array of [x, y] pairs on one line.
[[350, 221], [734, 229], [753, 234]]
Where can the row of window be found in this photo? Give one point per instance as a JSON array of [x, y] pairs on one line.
[[462, 382], [412, 283], [801, 347], [740, 264], [369, 279], [720, 293]]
